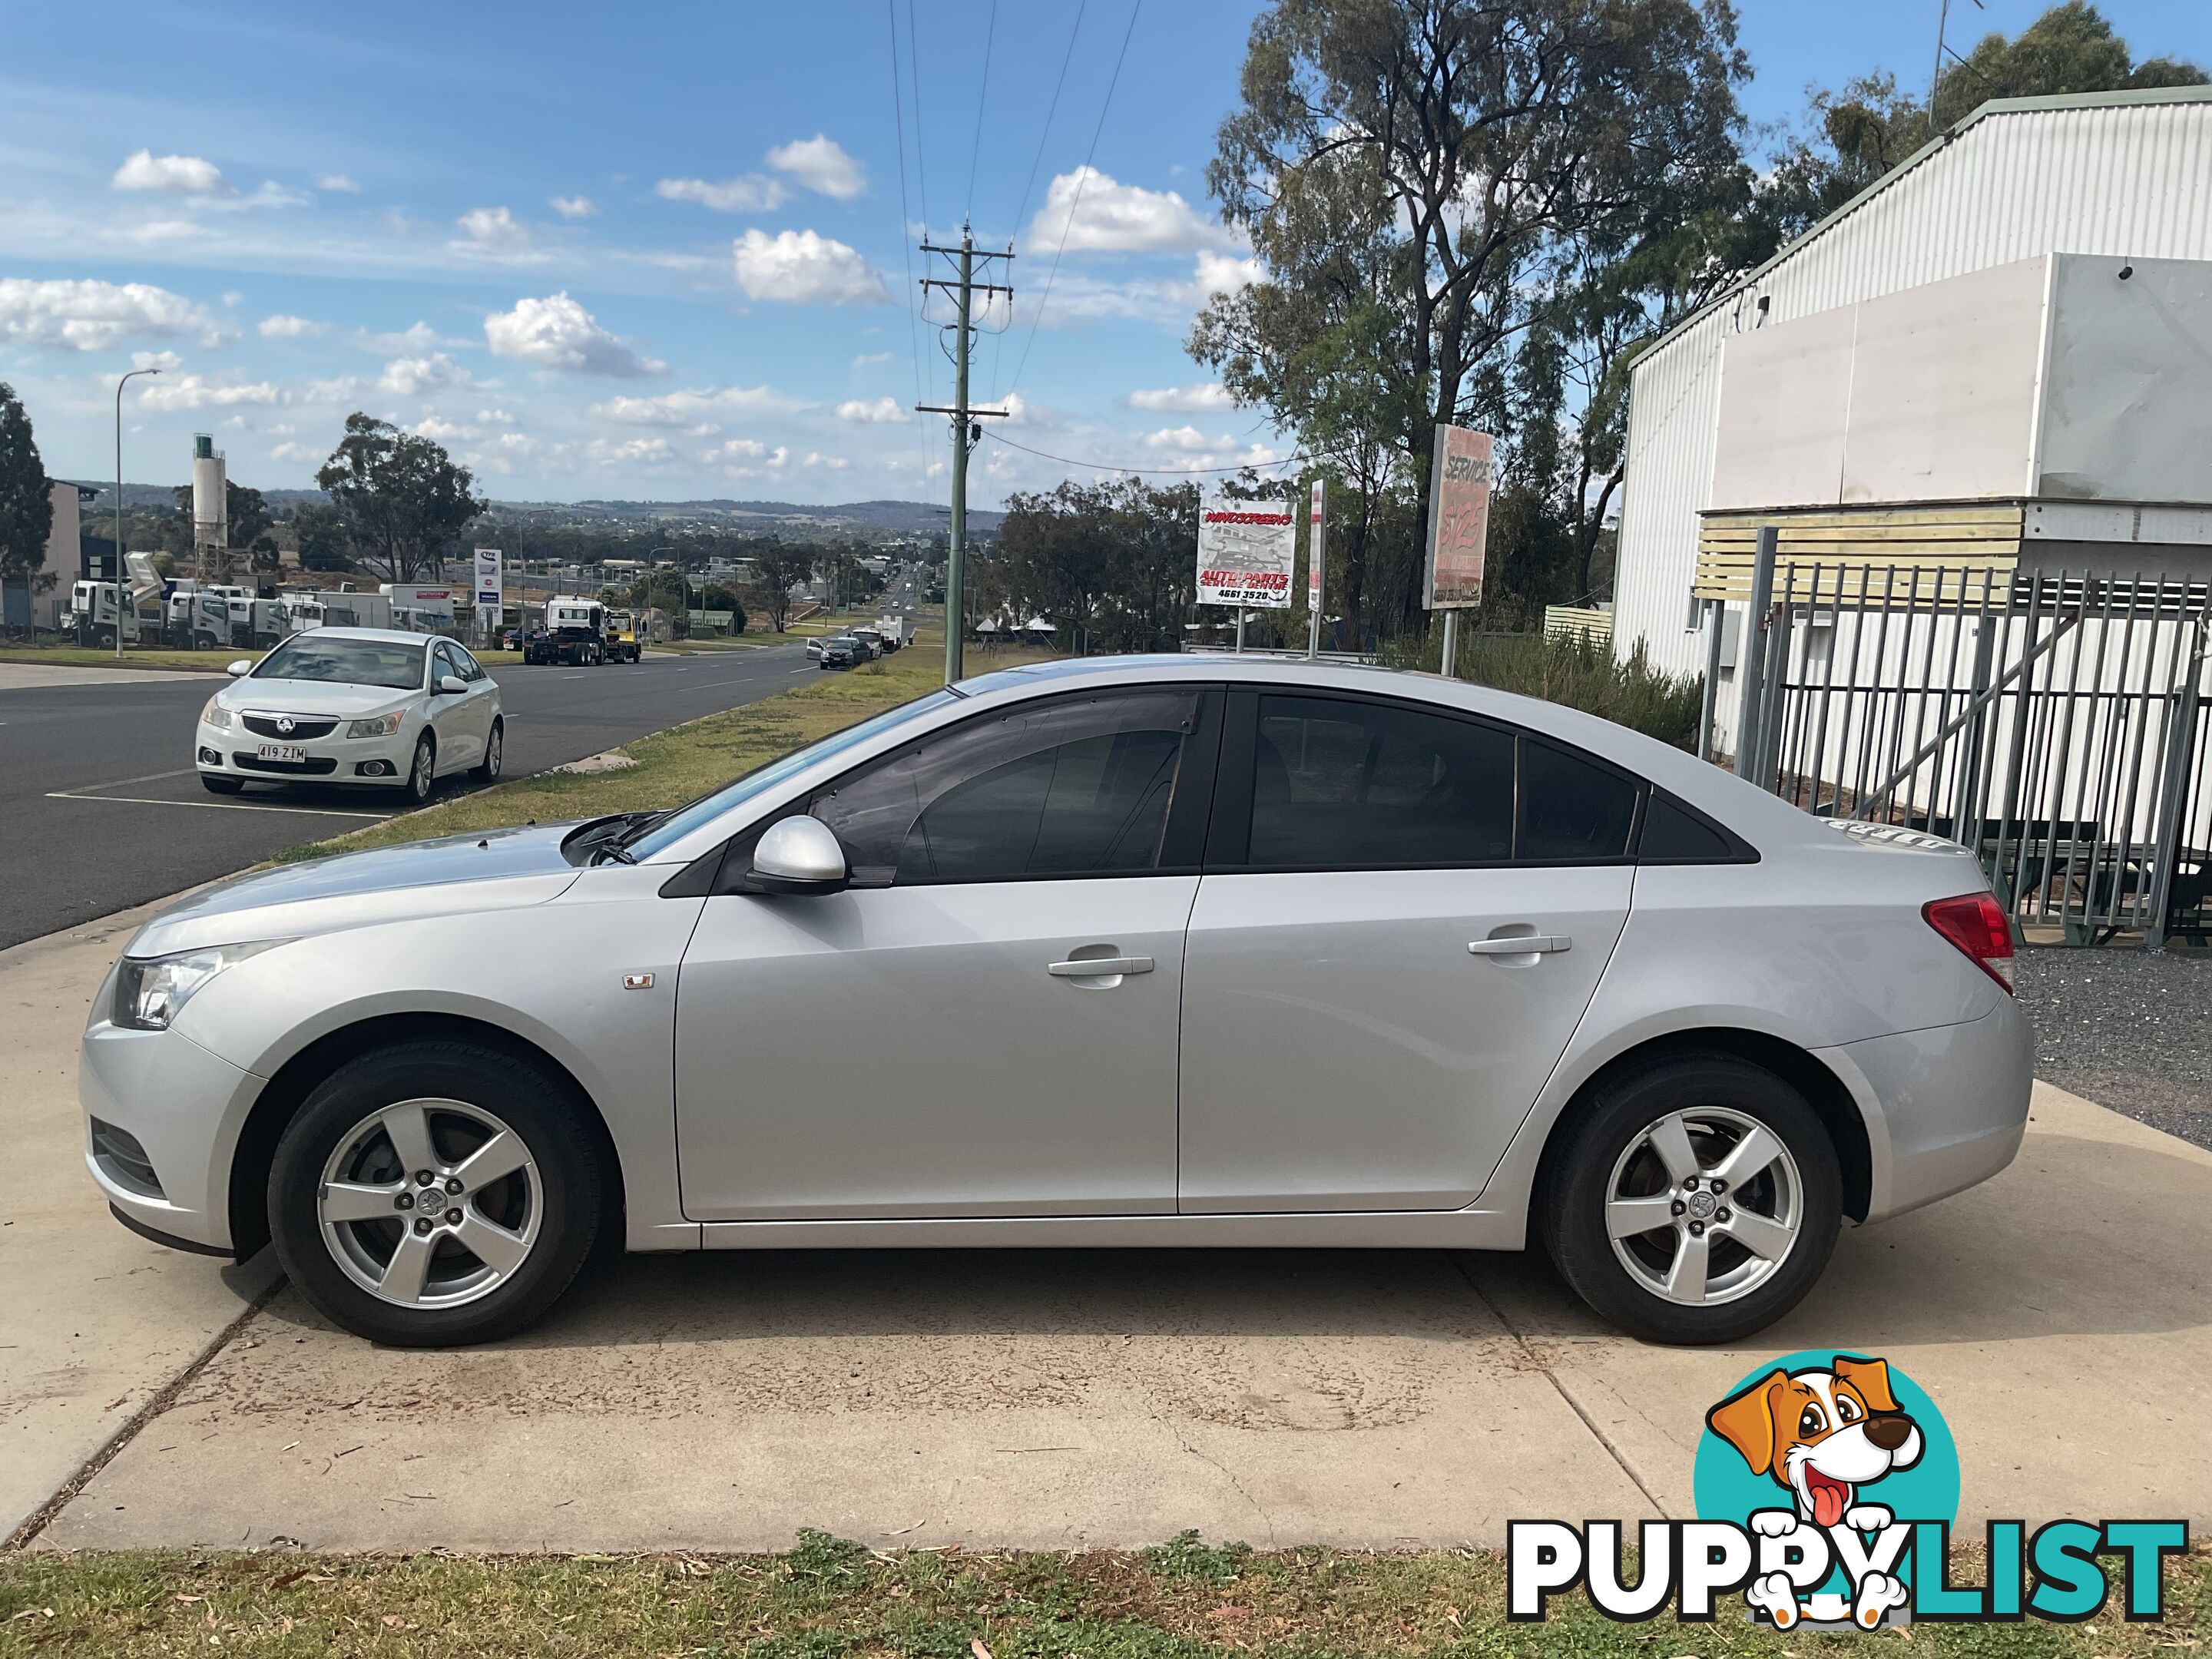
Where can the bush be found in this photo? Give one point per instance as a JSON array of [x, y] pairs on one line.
[[1575, 672]]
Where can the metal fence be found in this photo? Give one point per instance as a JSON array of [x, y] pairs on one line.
[[2052, 722]]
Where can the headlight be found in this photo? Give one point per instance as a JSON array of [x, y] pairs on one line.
[[150, 992], [377, 726], [215, 714]]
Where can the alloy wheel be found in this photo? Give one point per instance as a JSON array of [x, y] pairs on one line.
[[1704, 1206], [430, 1203]]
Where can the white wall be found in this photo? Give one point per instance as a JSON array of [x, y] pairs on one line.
[[2128, 408]]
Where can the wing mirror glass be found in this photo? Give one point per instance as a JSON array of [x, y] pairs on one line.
[[452, 684], [798, 854], [243, 667]]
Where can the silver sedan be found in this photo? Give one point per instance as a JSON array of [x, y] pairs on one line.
[[1174, 951]]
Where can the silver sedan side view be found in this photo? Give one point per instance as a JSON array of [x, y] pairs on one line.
[[1179, 952]]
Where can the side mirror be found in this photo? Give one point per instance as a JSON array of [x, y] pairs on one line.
[[798, 855], [451, 685], [242, 667]]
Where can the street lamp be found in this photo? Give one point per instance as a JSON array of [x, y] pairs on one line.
[[117, 570]]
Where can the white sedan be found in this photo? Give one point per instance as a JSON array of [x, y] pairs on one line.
[[366, 707]]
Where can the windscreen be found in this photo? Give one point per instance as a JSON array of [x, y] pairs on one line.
[[345, 662]]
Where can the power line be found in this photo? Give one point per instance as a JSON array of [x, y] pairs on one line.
[[1082, 178], [1037, 160], [1156, 471], [921, 151], [982, 103]]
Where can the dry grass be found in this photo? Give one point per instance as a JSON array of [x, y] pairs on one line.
[[829, 1598]]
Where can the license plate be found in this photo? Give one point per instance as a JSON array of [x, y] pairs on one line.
[[280, 751]]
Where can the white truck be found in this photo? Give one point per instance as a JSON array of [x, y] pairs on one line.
[[303, 612], [99, 611], [897, 631], [421, 607]]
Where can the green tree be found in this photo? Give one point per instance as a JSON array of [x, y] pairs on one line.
[[27, 510], [400, 501], [1110, 564], [322, 538], [780, 565], [715, 597], [1406, 168]]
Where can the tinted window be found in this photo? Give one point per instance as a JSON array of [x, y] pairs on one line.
[[1070, 787], [1674, 835], [1571, 807], [1339, 785]]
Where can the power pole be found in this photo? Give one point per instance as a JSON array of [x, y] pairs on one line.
[[966, 432]]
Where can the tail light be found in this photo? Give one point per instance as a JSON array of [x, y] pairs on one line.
[[1977, 925]]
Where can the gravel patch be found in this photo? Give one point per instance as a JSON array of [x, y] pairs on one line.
[[2130, 1030]]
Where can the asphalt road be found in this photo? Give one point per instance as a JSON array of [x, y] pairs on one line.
[[101, 808]]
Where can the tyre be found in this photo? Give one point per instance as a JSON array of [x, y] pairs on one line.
[[421, 771], [1697, 1200], [217, 785], [487, 770], [435, 1193]]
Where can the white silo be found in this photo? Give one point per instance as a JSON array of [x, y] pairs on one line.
[[211, 509]]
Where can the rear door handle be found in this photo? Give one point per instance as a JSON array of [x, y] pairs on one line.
[[1526, 945], [1099, 967]]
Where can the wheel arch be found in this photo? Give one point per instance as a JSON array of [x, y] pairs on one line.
[[280, 1100], [1826, 1092]]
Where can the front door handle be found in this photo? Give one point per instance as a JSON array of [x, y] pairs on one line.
[[1099, 967], [1523, 946]]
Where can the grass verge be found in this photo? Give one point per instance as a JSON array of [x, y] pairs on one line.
[[671, 767], [829, 1598]]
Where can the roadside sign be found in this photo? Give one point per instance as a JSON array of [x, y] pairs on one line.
[[1247, 552], [1315, 535], [491, 584], [1459, 518]]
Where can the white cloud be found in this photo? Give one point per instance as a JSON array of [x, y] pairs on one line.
[[556, 333], [800, 267], [751, 192], [285, 327], [885, 409], [1207, 397], [1224, 273], [337, 181], [494, 418], [179, 175], [631, 452], [292, 452], [417, 337], [164, 361], [232, 297], [406, 376], [870, 359], [1178, 437], [572, 207], [196, 392], [746, 457], [430, 426], [495, 227], [831, 463], [687, 407], [820, 165], [95, 316], [1110, 217]]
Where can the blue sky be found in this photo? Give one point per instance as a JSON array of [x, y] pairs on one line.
[[658, 251]]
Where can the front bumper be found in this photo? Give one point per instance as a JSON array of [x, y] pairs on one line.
[[375, 762], [183, 1107], [1949, 1104]]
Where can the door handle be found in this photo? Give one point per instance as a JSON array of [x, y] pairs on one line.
[[1524, 946], [1099, 967]]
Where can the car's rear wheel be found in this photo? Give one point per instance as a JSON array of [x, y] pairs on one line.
[[487, 770], [421, 771], [221, 786], [1696, 1200], [435, 1193]]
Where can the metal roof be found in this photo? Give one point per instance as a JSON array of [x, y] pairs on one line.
[[1942, 141]]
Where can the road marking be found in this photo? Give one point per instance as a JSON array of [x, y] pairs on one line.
[[148, 777], [217, 805]]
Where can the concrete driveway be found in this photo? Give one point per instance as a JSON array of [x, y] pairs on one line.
[[2061, 1315]]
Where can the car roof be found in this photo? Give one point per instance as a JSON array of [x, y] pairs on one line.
[[379, 635]]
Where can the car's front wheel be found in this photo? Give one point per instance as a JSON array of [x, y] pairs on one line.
[[435, 1193], [1697, 1200], [421, 771]]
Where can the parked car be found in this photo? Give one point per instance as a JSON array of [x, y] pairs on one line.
[[1305, 954], [842, 652], [814, 650], [873, 642], [366, 707]]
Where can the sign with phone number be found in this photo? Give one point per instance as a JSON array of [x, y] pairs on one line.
[[1247, 551]]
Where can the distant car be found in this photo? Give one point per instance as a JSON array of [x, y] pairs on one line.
[[370, 707], [873, 640], [842, 652], [814, 650]]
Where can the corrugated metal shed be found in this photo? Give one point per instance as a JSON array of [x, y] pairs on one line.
[[2118, 173]]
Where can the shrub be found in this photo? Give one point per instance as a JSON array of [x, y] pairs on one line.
[[1575, 672]]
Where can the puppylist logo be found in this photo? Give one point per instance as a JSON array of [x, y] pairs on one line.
[[1827, 1485]]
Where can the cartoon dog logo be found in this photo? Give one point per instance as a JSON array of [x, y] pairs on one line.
[[1824, 1435]]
